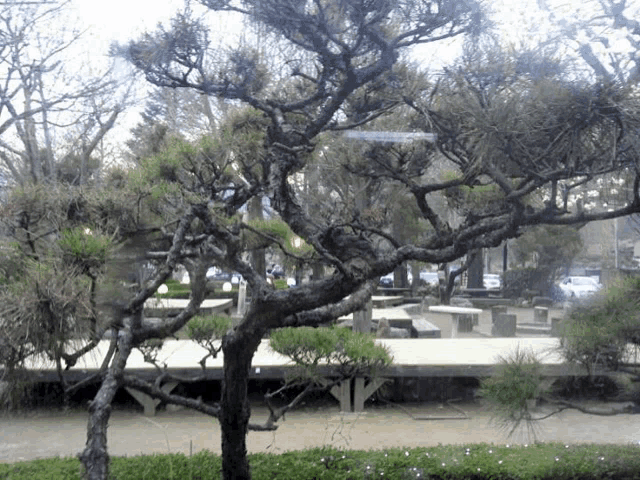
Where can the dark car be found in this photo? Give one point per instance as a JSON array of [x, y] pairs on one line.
[[217, 275], [386, 281], [276, 271]]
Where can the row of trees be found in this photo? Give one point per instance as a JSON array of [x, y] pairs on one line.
[[514, 136]]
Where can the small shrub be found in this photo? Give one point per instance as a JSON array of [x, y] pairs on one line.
[[204, 329], [352, 353], [513, 387], [597, 332], [175, 289]]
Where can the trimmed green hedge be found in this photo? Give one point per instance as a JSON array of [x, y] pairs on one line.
[[545, 461]]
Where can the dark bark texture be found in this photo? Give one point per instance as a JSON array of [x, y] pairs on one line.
[[235, 410], [95, 457]]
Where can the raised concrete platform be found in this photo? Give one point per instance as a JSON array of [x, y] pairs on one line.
[[425, 329], [474, 357], [164, 307]]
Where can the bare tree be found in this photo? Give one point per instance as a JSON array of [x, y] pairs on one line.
[[53, 117], [603, 34]]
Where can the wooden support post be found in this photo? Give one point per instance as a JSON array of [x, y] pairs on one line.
[[361, 391], [341, 392], [149, 403], [345, 396]]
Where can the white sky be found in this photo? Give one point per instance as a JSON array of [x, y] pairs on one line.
[[124, 20]]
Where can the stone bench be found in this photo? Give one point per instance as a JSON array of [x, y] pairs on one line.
[[422, 328], [541, 314], [461, 317], [541, 302], [505, 325], [490, 302], [384, 330], [533, 329]]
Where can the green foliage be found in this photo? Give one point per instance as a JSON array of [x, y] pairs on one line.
[[280, 284], [168, 177], [517, 381], [204, 329], [277, 229], [11, 263], [351, 351], [542, 461], [85, 248], [43, 469], [166, 165], [551, 247], [175, 289], [408, 221], [517, 281], [478, 197], [244, 131], [596, 332], [273, 227], [47, 305]]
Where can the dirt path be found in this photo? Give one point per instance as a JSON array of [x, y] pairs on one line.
[[47, 434]]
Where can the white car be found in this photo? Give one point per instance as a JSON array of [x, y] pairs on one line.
[[579, 287], [491, 281]]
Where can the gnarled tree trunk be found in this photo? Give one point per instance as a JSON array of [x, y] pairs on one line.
[[94, 457], [238, 352]]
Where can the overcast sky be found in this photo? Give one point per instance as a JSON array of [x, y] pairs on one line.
[[124, 20]]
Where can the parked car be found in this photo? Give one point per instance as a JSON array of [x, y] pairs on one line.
[[579, 287], [276, 271], [491, 281], [387, 281], [218, 275]]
